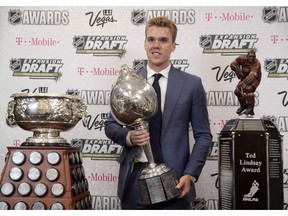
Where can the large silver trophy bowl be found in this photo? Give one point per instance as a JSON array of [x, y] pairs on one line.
[[46, 115], [133, 101]]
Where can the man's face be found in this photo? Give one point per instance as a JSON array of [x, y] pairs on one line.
[[159, 46]]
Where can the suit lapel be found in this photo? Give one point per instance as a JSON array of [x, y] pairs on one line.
[[174, 88]]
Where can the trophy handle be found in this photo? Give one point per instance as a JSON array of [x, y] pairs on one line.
[[10, 117], [80, 112]]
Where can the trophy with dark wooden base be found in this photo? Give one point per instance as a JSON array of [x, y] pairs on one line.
[[45, 172], [133, 101]]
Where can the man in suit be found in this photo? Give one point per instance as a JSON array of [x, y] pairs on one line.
[[183, 104]]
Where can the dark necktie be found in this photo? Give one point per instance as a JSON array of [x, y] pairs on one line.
[[155, 124]]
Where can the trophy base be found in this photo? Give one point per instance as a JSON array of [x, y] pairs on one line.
[[44, 178], [157, 184]]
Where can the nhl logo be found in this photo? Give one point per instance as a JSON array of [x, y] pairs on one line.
[[206, 41], [73, 92], [15, 64], [139, 64], [269, 14], [138, 17], [78, 42], [14, 17], [270, 65]]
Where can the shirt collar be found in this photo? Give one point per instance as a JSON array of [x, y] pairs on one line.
[[164, 72]]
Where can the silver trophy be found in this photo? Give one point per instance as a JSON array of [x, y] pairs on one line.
[[46, 115], [133, 101]]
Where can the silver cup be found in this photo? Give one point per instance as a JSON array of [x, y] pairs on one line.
[[46, 115], [133, 101]]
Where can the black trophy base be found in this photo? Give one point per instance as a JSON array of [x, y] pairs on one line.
[[250, 165], [158, 188]]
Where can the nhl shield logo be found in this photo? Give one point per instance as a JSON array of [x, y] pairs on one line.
[[138, 17], [270, 65], [139, 64], [73, 92], [78, 42], [269, 14], [15, 64], [206, 41], [14, 17]]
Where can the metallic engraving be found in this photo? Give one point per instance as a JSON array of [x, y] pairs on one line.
[[46, 115]]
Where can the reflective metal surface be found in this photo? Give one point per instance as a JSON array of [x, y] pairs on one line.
[[46, 115], [133, 101], [24, 188], [52, 174], [4, 205], [34, 174], [57, 189], [35, 157], [57, 206], [20, 206], [18, 158], [38, 206], [40, 189], [53, 158], [16, 174], [7, 189], [132, 98]]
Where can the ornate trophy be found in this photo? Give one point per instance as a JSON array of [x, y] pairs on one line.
[[45, 172], [133, 101], [46, 115]]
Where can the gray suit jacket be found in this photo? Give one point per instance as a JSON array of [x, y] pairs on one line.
[[185, 103]]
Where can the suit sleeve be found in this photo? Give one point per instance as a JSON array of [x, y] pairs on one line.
[[201, 132], [114, 131]]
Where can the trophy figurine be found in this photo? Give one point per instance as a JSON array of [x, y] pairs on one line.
[[133, 101]]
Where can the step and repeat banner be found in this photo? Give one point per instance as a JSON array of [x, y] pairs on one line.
[[80, 50]]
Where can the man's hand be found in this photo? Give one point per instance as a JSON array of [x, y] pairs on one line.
[[184, 186], [139, 137]]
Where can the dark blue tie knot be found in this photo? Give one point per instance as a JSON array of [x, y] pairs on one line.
[[157, 76]]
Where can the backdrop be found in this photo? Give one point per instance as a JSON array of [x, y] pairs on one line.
[[80, 50]]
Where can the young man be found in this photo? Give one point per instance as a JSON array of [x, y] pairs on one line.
[[183, 103]]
